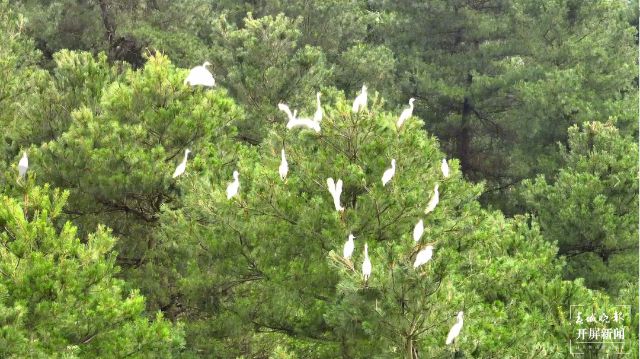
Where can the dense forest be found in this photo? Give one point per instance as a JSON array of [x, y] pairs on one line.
[[318, 178]]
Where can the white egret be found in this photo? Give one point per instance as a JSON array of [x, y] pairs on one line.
[[366, 264], [232, 188], [389, 173], [423, 256], [406, 113], [418, 230], [348, 247], [455, 329], [304, 122], [433, 202], [284, 166], [317, 116], [23, 165], [199, 75], [183, 165], [336, 190], [361, 100], [298, 122], [445, 168]]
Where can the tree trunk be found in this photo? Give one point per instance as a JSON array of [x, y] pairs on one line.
[[107, 21], [463, 137]]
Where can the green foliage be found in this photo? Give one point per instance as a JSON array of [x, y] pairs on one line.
[[58, 294], [591, 206], [118, 157], [498, 82], [263, 63], [21, 82], [266, 265]]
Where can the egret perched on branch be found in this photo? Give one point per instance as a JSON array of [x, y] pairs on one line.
[[336, 190], [445, 168], [317, 116], [298, 122], [423, 256], [199, 75], [23, 165], [232, 188], [284, 166], [348, 247], [389, 173], [418, 230], [361, 100], [183, 165], [366, 264], [433, 202], [455, 329], [406, 113]]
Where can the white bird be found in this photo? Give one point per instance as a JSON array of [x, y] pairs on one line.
[[23, 165], [183, 165], [433, 202], [389, 173], [455, 329], [284, 166], [232, 188], [304, 122], [423, 256], [317, 116], [406, 113], [348, 247], [366, 264], [336, 190], [445, 168], [298, 122], [199, 75], [418, 230], [361, 100]]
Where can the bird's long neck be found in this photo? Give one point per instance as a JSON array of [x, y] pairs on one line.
[[186, 154]]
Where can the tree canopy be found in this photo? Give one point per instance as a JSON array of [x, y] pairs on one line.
[[105, 252]]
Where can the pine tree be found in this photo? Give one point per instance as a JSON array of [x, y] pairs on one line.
[[59, 296], [117, 157], [264, 269], [590, 206]]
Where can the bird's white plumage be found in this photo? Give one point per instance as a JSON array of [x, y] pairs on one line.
[[285, 108], [423, 256], [183, 165], [23, 165], [298, 122], [317, 116], [406, 113], [389, 173], [455, 329], [335, 188], [366, 264], [433, 202], [284, 166], [349, 246], [361, 100], [444, 167], [199, 75], [418, 230], [303, 122], [233, 187]]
